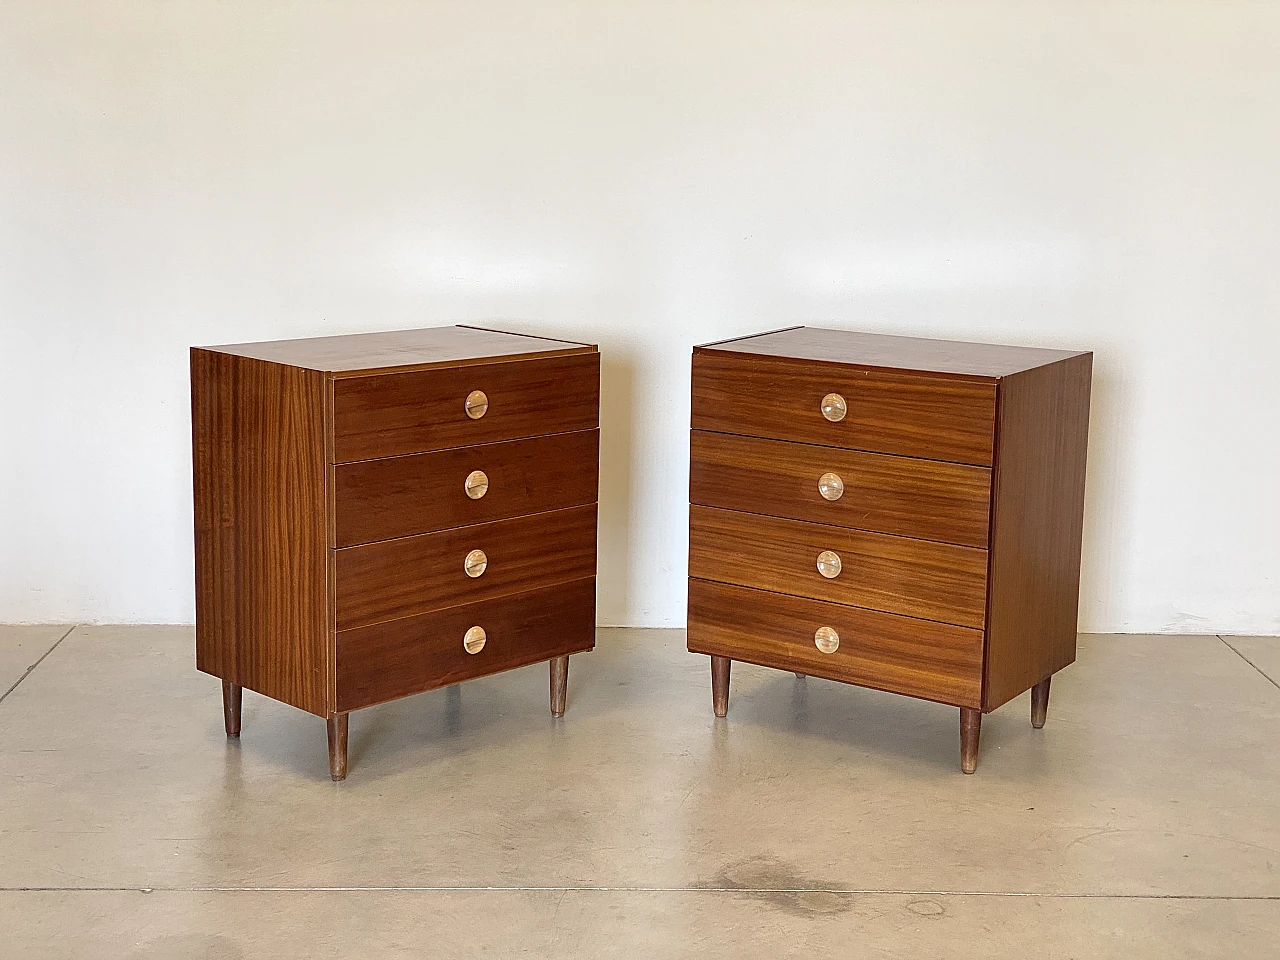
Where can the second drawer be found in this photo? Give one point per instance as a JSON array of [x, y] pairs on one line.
[[404, 496], [926, 499], [401, 578], [917, 578]]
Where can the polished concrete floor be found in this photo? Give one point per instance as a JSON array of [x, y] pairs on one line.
[[818, 820]]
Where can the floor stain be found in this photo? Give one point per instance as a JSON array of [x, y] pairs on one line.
[[926, 908], [189, 947], [779, 884]]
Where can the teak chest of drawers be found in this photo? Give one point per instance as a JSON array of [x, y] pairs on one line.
[[896, 513], [382, 514]]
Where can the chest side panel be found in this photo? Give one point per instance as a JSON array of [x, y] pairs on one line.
[[1037, 524], [258, 457]]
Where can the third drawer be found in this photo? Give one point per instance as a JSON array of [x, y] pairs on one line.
[[401, 578], [917, 578], [926, 499]]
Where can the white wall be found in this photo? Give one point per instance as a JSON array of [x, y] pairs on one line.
[[649, 176]]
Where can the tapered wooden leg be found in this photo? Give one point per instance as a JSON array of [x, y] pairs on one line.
[[338, 746], [232, 698], [720, 685], [970, 732], [1040, 702], [559, 685]]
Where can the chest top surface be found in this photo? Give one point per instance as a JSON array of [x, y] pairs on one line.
[[429, 347], [949, 357]]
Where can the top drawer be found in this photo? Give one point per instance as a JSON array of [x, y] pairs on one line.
[[911, 415], [392, 414]]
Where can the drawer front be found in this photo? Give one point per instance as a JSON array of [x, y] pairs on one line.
[[407, 656], [402, 578], [919, 658], [405, 496], [394, 414], [916, 578], [910, 415], [926, 499]]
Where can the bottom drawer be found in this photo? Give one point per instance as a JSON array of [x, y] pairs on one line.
[[402, 657], [919, 658]]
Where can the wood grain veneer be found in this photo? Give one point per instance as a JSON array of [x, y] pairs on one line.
[[261, 543], [917, 578], [953, 456], [404, 496], [402, 657], [888, 412], [1037, 526], [921, 658], [402, 351], [880, 352], [390, 416], [412, 575], [329, 493], [924, 499]]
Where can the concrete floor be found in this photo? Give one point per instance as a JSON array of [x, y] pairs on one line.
[[818, 820]]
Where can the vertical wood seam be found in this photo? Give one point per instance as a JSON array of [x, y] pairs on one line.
[[991, 540], [331, 580]]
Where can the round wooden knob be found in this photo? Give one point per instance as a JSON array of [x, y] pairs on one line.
[[834, 408], [476, 484], [474, 639], [826, 640], [477, 404], [475, 563], [829, 564], [831, 486]]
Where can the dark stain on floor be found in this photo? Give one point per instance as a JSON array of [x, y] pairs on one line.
[[779, 884]]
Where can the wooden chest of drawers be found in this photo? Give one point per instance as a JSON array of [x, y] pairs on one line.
[[896, 513], [382, 514]]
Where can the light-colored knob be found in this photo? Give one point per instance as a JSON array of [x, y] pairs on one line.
[[834, 408], [831, 486], [829, 564], [476, 484], [475, 563], [477, 404], [474, 639], [826, 640]]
